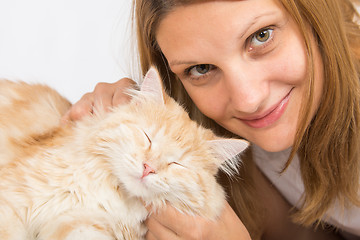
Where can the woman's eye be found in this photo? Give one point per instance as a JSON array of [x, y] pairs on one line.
[[261, 37], [199, 70]]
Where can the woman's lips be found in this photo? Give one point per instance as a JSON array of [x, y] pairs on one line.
[[270, 116]]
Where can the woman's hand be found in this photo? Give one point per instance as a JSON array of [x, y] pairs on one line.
[[169, 224], [105, 95]]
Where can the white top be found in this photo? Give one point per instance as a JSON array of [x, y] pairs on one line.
[[291, 187]]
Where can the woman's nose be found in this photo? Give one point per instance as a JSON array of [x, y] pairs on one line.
[[247, 89]]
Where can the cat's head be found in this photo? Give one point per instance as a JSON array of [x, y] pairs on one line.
[[159, 154]]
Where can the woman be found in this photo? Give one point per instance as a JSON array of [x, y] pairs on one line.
[[285, 76]]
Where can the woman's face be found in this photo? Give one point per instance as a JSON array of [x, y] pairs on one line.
[[244, 65]]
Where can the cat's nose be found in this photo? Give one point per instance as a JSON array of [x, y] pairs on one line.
[[147, 170]]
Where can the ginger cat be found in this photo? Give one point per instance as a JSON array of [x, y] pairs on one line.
[[90, 180]]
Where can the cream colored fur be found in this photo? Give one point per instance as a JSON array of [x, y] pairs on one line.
[[87, 180]]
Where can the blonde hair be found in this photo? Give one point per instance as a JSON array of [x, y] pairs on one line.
[[329, 145]]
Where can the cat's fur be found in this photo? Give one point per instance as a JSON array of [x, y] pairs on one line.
[[89, 180]]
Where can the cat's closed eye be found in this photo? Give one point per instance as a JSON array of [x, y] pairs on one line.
[[176, 163], [147, 136], [141, 132]]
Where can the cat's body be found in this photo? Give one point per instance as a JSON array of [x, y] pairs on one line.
[[89, 180]]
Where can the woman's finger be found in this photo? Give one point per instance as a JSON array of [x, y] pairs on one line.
[[120, 96], [171, 218], [226, 226], [159, 231], [150, 236], [107, 95], [103, 95], [81, 108]]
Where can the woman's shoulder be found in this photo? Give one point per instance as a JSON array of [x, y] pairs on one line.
[[290, 185], [289, 182]]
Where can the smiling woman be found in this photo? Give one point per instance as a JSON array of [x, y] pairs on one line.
[[277, 73], [248, 84]]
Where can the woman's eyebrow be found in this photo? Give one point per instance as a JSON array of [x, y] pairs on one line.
[[179, 62], [254, 21]]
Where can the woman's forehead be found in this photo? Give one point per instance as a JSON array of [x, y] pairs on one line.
[[207, 23]]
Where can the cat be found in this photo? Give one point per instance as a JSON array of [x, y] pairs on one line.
[[92, 179]]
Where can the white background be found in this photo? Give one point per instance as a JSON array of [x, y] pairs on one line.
[[69, 44]]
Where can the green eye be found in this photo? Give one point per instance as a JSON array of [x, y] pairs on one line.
[[261, 37], [199, 70]]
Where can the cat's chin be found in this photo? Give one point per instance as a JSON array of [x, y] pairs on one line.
[[143, 188]]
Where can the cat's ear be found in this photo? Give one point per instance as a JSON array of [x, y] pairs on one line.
[[227, 153], [152, 83]]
